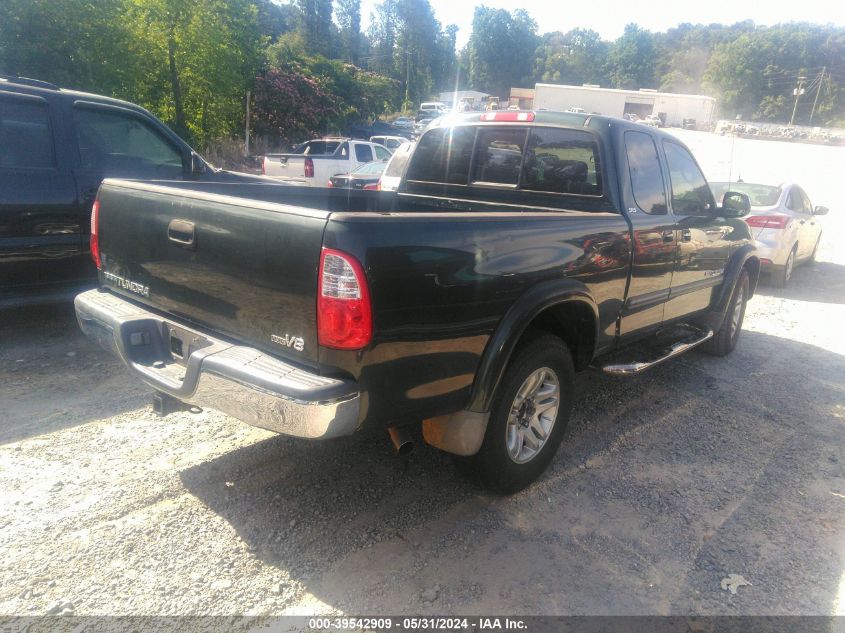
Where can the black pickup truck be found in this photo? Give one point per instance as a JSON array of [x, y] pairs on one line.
[[520, 247], [56, 146]]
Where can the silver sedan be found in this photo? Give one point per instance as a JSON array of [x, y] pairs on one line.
[[784, 223]]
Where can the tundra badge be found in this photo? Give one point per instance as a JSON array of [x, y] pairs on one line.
[[289, 341]]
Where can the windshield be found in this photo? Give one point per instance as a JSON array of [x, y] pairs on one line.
[[373, 168], [760, 195]]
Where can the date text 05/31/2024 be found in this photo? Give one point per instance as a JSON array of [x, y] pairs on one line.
[[417, 624]]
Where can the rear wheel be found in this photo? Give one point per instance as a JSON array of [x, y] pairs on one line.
[[812, 259], [781, 278], [528, 416], [724, 341]]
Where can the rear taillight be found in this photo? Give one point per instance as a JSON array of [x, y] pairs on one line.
[[330, 185], [776, 221], [309, 168], [344, 312], [372, 186], [95, 240]]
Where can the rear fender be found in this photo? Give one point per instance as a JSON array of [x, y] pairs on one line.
[[513, 325], [743, 259]]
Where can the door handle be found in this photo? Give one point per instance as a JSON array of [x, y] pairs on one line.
[[668, 236], [686, 235], [183, 233]]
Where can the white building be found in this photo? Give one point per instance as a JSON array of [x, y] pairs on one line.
[[672, 108], [474, 97]]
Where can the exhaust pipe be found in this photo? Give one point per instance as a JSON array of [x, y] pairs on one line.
[[401, 439]]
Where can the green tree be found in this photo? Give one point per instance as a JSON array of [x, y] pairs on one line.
[[575, 57], [74, 43], [502, 49], [407, 44], [349, 18], [316, 25], [196, 61], [631, 60]]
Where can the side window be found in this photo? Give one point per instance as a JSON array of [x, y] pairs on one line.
[[363, 153], [443, 156], [806, 205], [646, 176], [118, 143], [793, 201], [381, 153], [690, 193], [562, 161], [26, 141], [498, 155]]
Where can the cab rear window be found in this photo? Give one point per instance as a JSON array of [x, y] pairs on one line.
[[443, 156], [536, 159]]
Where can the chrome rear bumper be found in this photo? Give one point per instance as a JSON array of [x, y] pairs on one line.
[[243, 382]]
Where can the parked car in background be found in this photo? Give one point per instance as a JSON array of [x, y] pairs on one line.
[[390, 142], [365, 177], [56, 146], [630, 116], [404, 122], [652, 120], [688, 124], [395, 169], [424, 117], [784, 223], [311, 169], [363, 131], [437, 107]]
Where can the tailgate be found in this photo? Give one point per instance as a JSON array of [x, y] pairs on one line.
[[289, 168], [243, 268]]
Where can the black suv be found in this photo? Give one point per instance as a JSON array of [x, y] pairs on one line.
[[56, 146]]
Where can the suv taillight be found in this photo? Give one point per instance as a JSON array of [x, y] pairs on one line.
[[309, 168], [344, 312], [95, 240]]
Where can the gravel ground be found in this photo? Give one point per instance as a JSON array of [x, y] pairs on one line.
[[665, 485]]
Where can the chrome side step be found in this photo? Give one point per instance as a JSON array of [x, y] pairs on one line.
[[695, 338]]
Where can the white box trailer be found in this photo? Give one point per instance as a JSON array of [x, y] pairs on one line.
[[672, 108]]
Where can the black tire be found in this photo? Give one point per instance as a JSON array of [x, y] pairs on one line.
[[812, 259], [780, 278], [493, 463], [724, 341]]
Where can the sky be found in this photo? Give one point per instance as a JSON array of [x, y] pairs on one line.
[[609, 17]]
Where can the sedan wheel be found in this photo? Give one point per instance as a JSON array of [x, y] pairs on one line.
[[781, 279]]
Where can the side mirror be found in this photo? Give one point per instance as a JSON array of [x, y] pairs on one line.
[[820, 211], [735, 204], [198, 165]]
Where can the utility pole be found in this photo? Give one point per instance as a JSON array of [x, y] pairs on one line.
[[818, 90], [798, 91], [407, 76], [246, 130]]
